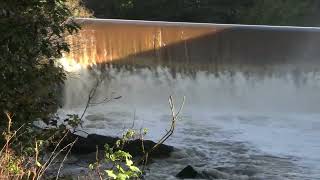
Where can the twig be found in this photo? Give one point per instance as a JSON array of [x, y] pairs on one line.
[[79, 130], [143, 150], [98, 163], [42, 169], [168, 133], [65, 157], [9, 140], [91, 95], [49, 162], [134, 119]]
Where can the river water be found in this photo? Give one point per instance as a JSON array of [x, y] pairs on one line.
[[252, 93], [262, 127]]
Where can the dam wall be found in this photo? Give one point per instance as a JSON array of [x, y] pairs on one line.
[[209, 47]]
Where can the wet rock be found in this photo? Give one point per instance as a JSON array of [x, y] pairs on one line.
[[188, 173], [92, 141]]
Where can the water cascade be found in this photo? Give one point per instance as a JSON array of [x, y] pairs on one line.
[[253, 92]]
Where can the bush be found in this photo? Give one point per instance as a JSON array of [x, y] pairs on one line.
[[31, 161], [78, 9], [32, 39]]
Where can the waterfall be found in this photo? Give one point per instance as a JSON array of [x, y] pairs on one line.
[[259, 85]]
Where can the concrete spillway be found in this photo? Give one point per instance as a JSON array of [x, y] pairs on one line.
[[201, 46]]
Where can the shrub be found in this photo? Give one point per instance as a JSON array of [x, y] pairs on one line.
[[32, 39]]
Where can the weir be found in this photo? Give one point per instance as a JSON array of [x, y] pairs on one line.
[[214, 65], [252, 92], [197, 46]]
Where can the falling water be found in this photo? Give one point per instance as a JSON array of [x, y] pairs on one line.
[[253, 92]]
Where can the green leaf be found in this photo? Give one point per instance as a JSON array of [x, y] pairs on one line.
[[111, 174], [122, 176], [128, 162], [145, 131], [134, 169], [121, 170], [91, 166], [112, 157], [118, 143]]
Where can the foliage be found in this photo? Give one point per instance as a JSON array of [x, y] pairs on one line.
[[78, 9], [18, 166], [178, 10], [120, 172], [31, 164], [32, 39], [33, 161], [122, 165], [284, 12], [272, 12]]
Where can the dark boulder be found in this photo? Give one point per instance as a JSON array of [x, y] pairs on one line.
[[188, 173], [92, 141]]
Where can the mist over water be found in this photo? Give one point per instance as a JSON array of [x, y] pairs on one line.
[[269, 116], [252, 93], [225, 91]]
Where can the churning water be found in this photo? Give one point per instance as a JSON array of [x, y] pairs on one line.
[[252, 99], [267, 127]]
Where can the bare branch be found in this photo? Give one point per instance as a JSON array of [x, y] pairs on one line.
[[65, 158], [168, 133]]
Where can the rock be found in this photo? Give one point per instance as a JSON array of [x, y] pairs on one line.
[[92, 141], [135, 149], [188, 172]]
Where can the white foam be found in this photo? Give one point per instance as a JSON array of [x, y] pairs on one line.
[[279, 115]]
